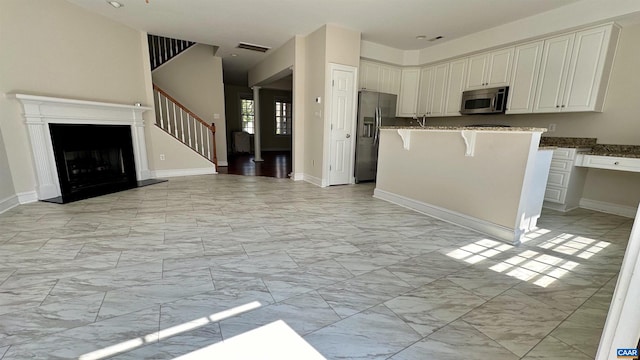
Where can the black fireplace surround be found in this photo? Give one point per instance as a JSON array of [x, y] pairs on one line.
[[92, 160]]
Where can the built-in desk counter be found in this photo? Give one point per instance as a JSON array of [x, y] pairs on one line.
[[488, 179], [612, 157]]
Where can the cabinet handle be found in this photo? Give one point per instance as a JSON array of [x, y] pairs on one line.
[[616, 163], [562, 105], [557, 106]]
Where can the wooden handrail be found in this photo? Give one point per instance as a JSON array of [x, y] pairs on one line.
[[211, 127], [184, 108]]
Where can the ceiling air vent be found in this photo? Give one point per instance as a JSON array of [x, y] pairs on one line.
[[253, 47]]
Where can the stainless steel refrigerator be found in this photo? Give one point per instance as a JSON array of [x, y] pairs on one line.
[[374, 110]]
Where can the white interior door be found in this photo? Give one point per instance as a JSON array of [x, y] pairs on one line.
[[342, 120]]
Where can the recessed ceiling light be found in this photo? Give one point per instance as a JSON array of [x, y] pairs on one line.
[[421, 37], [115, 4]]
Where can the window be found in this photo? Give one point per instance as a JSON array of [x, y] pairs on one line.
[[283, 118], [247, 115]]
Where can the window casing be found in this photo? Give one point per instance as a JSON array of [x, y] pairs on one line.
[[247, 114], [283, 117]]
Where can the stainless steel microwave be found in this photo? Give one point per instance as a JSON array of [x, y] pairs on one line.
[[484, 101]]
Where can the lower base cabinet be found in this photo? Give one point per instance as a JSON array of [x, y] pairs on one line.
[[565, 182]]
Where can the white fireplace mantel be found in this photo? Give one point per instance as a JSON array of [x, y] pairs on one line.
[[40, 111]]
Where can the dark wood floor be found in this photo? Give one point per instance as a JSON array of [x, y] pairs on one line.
[[276, 164]]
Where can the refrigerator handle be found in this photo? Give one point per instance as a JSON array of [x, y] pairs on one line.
[[377, 130]]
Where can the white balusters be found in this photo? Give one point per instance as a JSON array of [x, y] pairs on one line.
[[171, 117]]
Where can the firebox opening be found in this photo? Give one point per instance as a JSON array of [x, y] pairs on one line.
[[92, 160]]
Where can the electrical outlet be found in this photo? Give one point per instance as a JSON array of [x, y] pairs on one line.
[[162, 157], [552, 127]]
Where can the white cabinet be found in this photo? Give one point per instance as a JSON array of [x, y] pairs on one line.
[[575, 70], [553, 73], [379, 77], [369, 72], [433, 88], [565, 181], [455, 86], [524, 77], [408, 98], [490, 69]]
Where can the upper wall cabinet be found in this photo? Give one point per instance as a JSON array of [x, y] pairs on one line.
[[489, 69], [433, 90], [379, 77], [575, 70], [408, 98], [455, 86], [524, 78]]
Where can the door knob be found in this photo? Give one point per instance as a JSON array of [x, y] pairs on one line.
[[348, 136]]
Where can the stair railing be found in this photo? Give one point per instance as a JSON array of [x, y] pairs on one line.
[[163, 49], [181, 123]]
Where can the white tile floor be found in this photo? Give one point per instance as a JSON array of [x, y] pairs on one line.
[[139, 274]]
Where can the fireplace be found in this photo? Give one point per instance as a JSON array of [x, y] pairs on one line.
[[92, 160], [99, 147]]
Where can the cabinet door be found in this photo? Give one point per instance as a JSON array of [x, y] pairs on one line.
[[585, 71], [526, 66], [408, 99], [426, 90], [499, 68], [439, 93], [389, 80], [455, 86], [477, 72], [551, 81], [369, 73]]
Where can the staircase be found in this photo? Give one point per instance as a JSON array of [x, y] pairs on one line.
[[173, 117], [185, 126], [163, 49]]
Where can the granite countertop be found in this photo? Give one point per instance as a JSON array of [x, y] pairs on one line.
[[543, 147], [630, 151], [568, 142], [482, 128]]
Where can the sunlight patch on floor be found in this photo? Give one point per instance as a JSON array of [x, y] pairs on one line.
[[165, 333], [272, 341], [479, 251], [535, 267]]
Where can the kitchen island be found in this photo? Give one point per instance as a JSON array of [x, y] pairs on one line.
[[488, 179]]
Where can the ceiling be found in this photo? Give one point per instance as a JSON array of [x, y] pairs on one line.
[[395, 23]]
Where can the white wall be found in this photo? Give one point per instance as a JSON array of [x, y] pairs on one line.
[[194, 78], [315, 70], [57, 49], [278, 61], [6, 182]]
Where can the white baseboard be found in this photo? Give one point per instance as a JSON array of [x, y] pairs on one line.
[[298, 177], [8, 203], [183, 172], [312, 179], [223, 163], [609, 208], [27, 197], [511, 236]]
